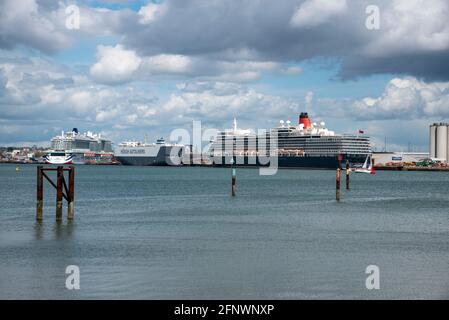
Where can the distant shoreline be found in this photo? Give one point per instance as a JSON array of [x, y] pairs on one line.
[[380, 168]]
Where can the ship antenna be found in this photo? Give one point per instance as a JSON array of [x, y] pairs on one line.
[[235, 124]]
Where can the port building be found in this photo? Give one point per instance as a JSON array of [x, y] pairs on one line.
[[385, 158]]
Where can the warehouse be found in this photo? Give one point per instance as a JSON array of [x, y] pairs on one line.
[[383, 158]]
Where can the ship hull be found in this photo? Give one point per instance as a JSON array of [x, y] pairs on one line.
[[141, 161], [58, 162], [59, 159], [323, 162]]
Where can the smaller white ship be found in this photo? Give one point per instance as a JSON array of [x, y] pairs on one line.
[[58, 158]]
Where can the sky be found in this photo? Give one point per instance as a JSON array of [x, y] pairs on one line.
[[131, 69]]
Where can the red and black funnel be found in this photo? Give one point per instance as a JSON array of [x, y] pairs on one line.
[[305, 120]]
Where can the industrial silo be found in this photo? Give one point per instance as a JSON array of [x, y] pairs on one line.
[[433, 141], [447, 143], [441, 141]]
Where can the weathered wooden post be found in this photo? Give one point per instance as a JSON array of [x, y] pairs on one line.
[[233, 182], [337, 180], [233, 168], [39, 194], [71, 195], [59, 182], [348, 171]]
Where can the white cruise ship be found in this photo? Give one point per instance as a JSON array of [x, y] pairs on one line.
[[79, 148], [307, 144]]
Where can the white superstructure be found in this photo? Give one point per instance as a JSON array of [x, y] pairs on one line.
[[79, 148]]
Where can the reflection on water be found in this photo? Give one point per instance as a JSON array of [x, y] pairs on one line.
[[63, 231], [59, 230], [149, 232], [38, 230]]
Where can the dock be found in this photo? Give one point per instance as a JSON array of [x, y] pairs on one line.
[[411, 168]]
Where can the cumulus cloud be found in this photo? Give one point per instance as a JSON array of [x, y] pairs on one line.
[[57, 98], [151, 11], [22, 23], [168, 63], [406, 98], [37, 92], [315, 12], [413, 38], [41, 25], [402, 99], [115, 64], [219, 102], [410, 26], [302, 30]]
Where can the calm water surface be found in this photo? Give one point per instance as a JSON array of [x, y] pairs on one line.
[[175, 233]]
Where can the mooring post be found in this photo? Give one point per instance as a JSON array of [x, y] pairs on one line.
[[337, 177], [39, 194], [59, 183], [233, 161], [71, 195], [337, 180], [372, 166], [233, 182], [348, 171]]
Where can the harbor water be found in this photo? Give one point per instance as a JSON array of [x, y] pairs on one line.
[[176, 233]]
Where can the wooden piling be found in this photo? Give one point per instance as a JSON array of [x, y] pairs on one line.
[[62, 191], [59, 193], [233, 182], [340, 158], [348, 171], [71, 194], [39, 194], [337, 180]]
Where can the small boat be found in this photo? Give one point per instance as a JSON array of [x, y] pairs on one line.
[[366, 168]]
